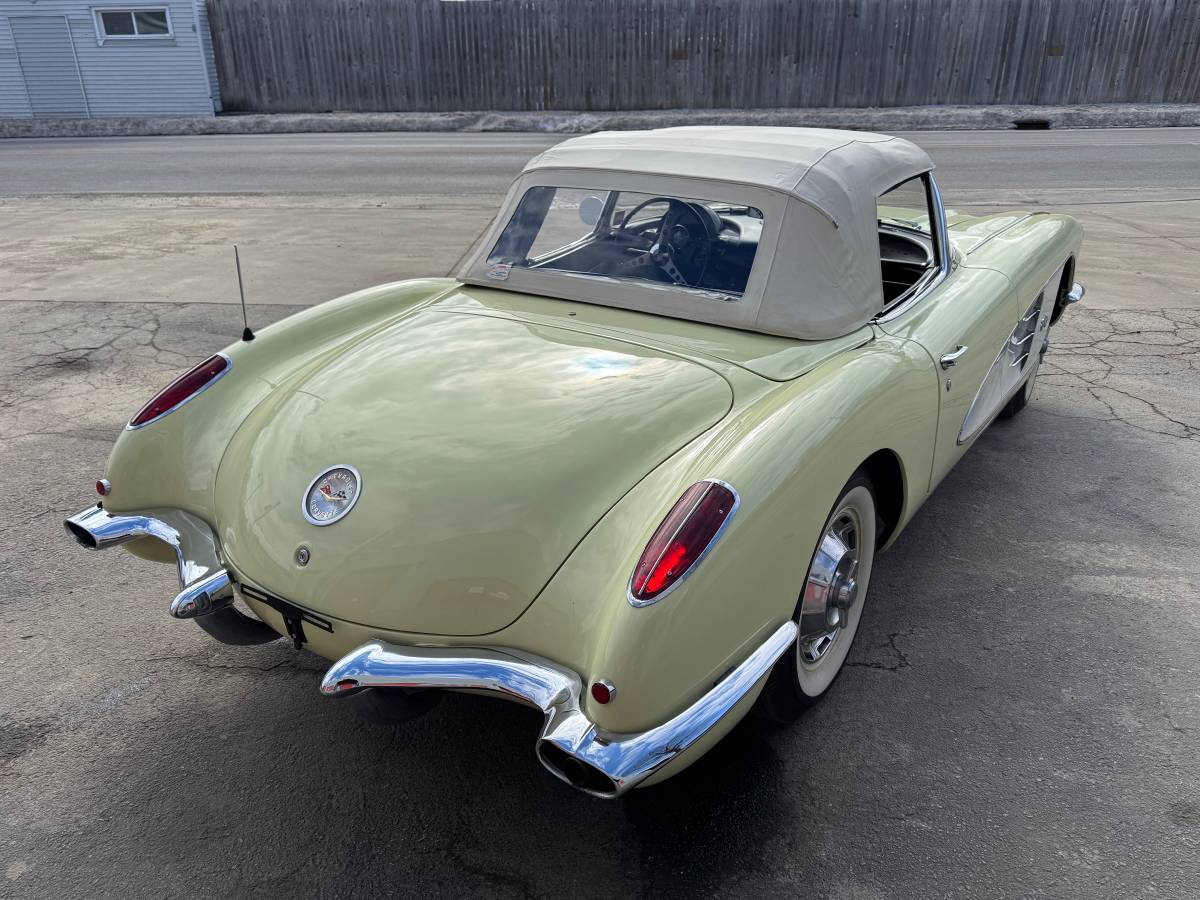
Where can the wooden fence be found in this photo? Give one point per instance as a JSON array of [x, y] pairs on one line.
[[375, 55]]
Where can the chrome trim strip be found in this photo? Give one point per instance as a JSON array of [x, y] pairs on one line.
[[616, 762], [996, 234], [129, 426], [943, 248], [737, 504]]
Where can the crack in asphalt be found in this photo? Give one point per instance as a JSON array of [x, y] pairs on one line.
[[1116, 358], [901, 658], [288, 663], [1178, 729], [79, 368]]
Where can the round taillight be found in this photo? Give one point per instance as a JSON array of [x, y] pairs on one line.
[[103, 487], [182, 389], [690, 528]]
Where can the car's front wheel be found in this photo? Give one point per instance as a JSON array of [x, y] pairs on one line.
[[1024, 394], [830, 605]]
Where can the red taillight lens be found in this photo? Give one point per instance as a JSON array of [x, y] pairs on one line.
[[679, 542], [182, 388], [602, 691]]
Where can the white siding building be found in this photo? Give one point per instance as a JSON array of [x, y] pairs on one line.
[[68, 58]]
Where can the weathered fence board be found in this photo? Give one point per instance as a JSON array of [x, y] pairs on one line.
[[373, 55]]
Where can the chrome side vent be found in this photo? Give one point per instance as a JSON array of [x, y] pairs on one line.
[[1018, 357], [1021, 341]]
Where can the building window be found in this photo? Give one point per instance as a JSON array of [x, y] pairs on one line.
[[136, 23]]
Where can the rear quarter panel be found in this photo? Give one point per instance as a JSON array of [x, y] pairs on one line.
[[173, 462], [788, 455]]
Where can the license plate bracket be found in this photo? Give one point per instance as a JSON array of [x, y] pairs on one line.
[[294, 617]]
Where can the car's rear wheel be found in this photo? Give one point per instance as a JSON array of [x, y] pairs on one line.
[[830, 605]]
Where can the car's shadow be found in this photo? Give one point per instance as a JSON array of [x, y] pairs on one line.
[[292, 792]]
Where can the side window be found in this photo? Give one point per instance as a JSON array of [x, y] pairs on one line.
[[906, 238]]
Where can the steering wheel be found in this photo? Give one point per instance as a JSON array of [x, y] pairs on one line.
[[683, 244]]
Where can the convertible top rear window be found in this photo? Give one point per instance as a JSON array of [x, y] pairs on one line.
[[704, 245]]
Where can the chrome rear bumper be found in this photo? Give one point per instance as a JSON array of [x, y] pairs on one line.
[[206, 590], [97, 529], [570, 745]]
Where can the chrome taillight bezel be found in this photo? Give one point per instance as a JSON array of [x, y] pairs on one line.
[[640, 602], [130, 426]]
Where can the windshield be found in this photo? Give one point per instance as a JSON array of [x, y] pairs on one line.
[[699, 244]]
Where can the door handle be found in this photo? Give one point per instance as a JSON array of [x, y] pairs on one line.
[[950, 360]]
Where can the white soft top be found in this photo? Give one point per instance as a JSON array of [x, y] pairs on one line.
[[816, 273]]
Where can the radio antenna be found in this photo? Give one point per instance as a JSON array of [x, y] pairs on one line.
[[247, 334]]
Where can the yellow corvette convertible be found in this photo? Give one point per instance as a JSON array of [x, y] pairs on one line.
[[631, 466]]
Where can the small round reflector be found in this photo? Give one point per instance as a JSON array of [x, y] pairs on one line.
[[103, 487], [603, 690]]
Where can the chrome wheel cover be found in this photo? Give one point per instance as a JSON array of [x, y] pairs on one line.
[[831, 588], [834, 590]]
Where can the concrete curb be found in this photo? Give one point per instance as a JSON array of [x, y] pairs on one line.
[[910, 118]]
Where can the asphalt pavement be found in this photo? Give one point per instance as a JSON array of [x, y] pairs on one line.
[[317, 216], [1020, 715], [456, 165]]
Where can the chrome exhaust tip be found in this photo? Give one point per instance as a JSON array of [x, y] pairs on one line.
[[207, 589], [571, 747], [97, 529], [81, 534], [576, 772]]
